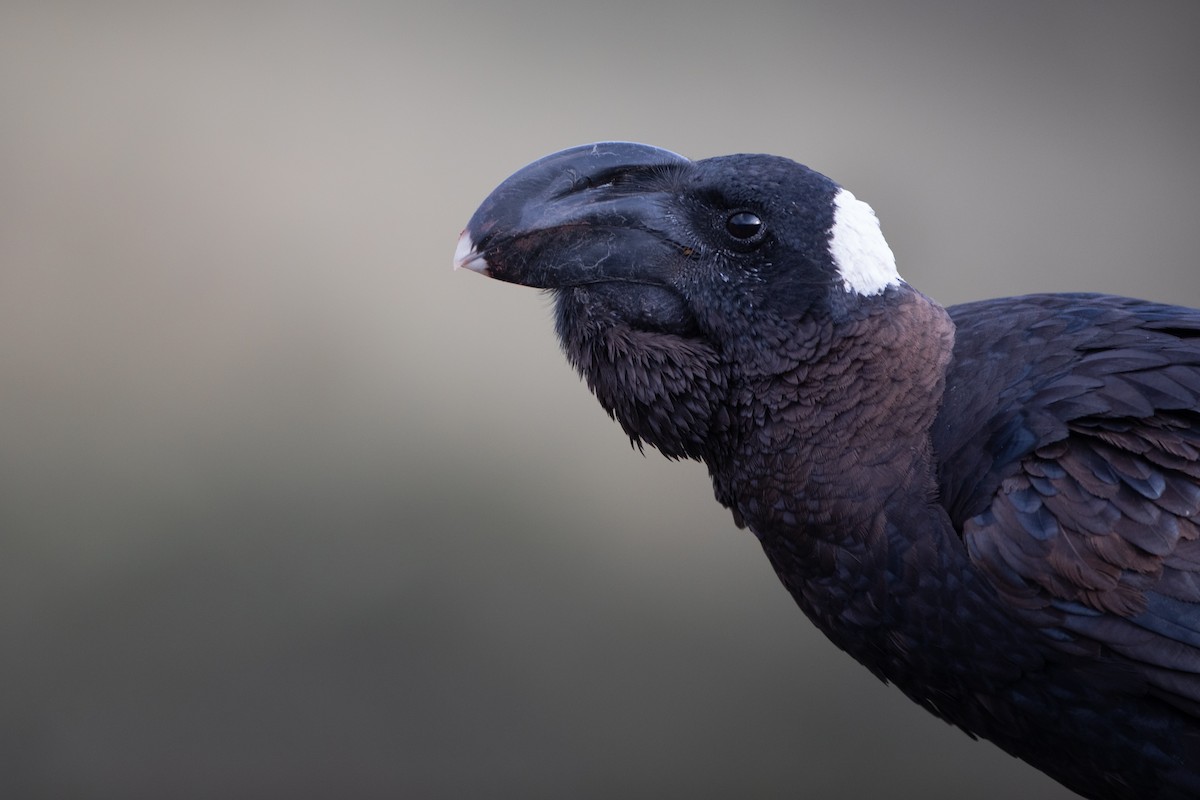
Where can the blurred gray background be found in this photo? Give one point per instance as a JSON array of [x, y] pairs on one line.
[[289, 509]]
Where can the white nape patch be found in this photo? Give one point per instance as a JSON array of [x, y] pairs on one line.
[[466, 257], [861, 254]]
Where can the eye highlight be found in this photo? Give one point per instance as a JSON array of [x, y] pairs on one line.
[[743, 225]]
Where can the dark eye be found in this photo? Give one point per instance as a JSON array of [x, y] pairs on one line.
[[743, 225]]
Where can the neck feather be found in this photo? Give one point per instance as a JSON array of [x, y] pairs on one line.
[[825, 443]]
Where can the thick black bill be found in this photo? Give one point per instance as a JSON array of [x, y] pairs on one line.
[[589, 214]]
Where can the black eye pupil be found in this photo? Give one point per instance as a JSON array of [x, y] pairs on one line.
[[743, 225]]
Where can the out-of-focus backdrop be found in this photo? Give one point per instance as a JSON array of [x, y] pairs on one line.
[[289, 509]]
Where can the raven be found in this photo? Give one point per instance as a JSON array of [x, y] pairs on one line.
[[993, 506]]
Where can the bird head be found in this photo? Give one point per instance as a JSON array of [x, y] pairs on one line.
[[676, 279]]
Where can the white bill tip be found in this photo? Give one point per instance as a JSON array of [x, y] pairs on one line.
[[467, 257]]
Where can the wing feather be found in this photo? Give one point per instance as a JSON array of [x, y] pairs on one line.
[[1093, 528]]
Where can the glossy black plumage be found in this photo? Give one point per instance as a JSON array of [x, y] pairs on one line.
[[992, 506]]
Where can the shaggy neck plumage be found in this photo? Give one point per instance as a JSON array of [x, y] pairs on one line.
[[666, 390]]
